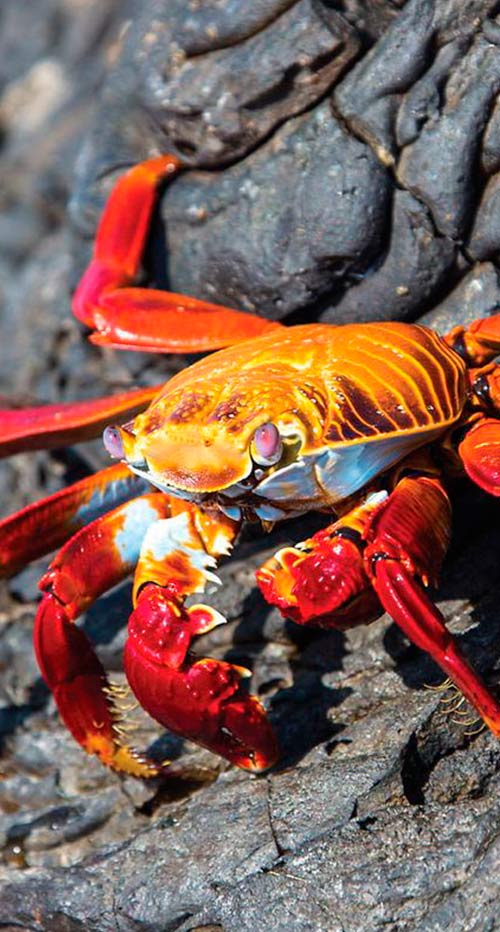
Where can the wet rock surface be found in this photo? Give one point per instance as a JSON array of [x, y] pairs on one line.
[[327, 181]]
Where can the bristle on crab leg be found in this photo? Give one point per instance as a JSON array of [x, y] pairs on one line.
[[137, 318], [406, 601], [97, 558], [45, 525], [199, 699]]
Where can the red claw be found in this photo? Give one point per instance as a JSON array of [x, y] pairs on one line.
[[326, 585], [201, 700], [480, 454]]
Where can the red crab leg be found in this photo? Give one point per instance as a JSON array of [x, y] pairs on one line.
[[200, 699], [479, 342], [97, 558], [406, 541], [480, 454], [203, 699], [323, 581], [407, 603], [121, 234], [393, 540], [47, 524], [137, 318], [163, 322], [50, 426]]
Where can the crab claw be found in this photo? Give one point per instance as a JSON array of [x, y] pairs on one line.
[[480, 454], [202, 700], [325, 583]]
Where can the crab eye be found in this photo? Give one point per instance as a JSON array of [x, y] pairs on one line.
[[113, 443], [267, 446]]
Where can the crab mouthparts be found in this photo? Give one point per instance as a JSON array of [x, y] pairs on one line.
[[236, 500]]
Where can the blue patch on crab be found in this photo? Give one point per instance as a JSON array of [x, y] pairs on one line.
[[108, 497], [345, 469], [295, 483], [231, 511], [270, 513], [332, 474], [138, 515]]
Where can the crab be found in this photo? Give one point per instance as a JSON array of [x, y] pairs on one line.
[[361, 422]]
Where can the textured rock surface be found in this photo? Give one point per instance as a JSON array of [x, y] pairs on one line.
[[373, 102], [328, 181]]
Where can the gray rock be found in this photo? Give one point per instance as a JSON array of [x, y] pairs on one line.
[[220, 106], [440, 166], [370, 96], [376, 873], [213, 83], [422, 102], [279, 260], [490, 144], [417, 262], [477, 295], [484, 240]]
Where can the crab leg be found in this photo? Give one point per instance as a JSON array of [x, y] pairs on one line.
[[480, 454], [97, 558], [203, 699], [49, 426], [406, 540], [47, 524], [138, 318], [200, 699], [374, 557], [479, 343]]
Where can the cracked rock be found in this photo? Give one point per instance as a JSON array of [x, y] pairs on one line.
[[416, 264], [440, 166], [271, 263]]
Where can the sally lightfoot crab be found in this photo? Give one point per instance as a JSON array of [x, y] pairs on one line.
[[361, 422]]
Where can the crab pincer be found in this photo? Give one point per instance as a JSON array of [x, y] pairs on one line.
[[198, 698]]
